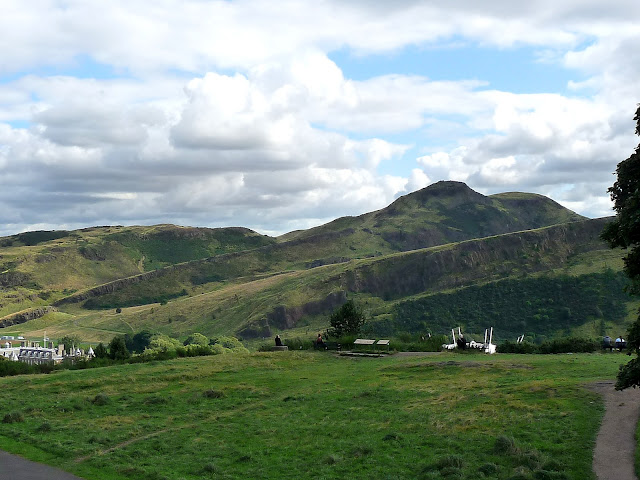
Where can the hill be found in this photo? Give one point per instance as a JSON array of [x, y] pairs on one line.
[[445, 239], [39, 268], [441, 213]]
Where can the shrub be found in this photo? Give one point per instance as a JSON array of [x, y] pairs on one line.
[[346, 320], [45, 427], [332, 459], [488, 469], [197, 339], [569, 345], [13, 417], [118, 348], [513, 347], [559, 345], [230, 343], [296, 344], [100, 399], [450, 461], [361, 451], [213, 394], [210, 468], [505, 445]]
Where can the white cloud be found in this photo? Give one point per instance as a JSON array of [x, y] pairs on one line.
[[232, 112]]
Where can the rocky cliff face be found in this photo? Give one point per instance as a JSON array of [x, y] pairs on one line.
[[284, 317], [25, 315], [467, 262]]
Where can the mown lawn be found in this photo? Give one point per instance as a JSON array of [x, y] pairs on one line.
[[314, 415]]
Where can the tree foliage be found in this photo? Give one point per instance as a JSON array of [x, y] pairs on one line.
[[118, 349], [542, 306], [69, 341], [138, 342], [162, 343], [197, 339], [346, 320], [101, 351], [624, 232]]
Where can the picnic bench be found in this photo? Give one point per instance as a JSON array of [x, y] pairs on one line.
[[371, 343], [363, 341]]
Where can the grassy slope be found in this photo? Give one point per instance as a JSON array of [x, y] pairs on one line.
[[53, 264], [441, 213], [48, 270], [236, 287], [281, 415], [224, 307]]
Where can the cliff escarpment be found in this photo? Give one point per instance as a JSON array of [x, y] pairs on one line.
[[25, 315], [468, 262]]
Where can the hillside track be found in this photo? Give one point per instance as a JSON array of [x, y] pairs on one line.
[[13, 467], [613, 456]]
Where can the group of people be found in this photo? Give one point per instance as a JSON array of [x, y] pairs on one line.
[[620, 343]]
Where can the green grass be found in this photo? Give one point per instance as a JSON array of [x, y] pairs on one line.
[[288, 414]]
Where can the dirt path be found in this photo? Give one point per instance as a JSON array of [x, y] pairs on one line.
[[613, 457]]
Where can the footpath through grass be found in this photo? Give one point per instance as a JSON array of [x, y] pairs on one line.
[[314, 415]]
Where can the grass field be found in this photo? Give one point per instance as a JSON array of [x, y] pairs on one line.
[[302, 415]]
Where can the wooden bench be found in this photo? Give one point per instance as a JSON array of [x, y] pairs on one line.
[[279, 348], [363, 341]]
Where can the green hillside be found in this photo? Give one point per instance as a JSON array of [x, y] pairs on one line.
[[473, 284], [39, 268], [440, 257], [441, 213]]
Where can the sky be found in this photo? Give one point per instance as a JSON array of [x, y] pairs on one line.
[[279, 116]]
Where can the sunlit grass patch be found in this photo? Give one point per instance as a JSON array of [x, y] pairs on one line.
[[347, 418]]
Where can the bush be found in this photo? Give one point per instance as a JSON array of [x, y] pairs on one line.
[[505, 445], [212, 394], [416, 343], [231, 343], [450, 461], [569, 345], [100, 399], [118, 349], [196, 339], [297, 344], [489, 469], [194, 350], [45, 427], [513, 347], [346, 320], [13, 417], [559, 345]]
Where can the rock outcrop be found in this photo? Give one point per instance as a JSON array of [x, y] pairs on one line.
[[25, 315], [285, 317]]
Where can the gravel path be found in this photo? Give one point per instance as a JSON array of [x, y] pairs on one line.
[[613, 457], [13, 467]]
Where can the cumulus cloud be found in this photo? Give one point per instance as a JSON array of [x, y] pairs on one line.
[[232, 113]]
